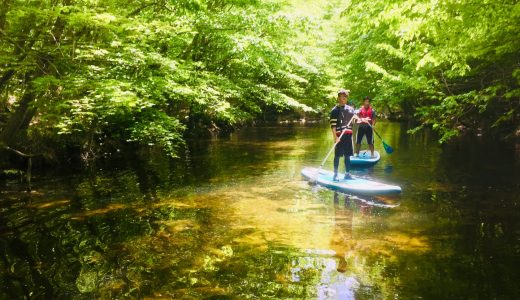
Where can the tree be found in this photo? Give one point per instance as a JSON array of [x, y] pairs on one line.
[[452, 65], [96, 76]]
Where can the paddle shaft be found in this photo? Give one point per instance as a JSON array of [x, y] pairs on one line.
[[384, 144], [373, 129], [339, 139]]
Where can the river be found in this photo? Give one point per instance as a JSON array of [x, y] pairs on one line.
[[233, 219]]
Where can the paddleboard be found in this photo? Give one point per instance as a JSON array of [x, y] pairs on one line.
[[364, 159], [355, 185]]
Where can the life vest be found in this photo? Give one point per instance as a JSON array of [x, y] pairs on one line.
[[367, 113]]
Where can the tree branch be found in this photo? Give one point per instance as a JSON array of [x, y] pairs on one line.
[[20, 153]]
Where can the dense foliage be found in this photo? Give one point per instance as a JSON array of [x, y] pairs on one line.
[[451, 64], [91, 74]]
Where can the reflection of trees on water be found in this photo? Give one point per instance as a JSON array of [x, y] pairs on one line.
[[114, 234], [107, 239], [86, 241]]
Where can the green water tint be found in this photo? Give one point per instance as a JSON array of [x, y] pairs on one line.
[[236, 221]]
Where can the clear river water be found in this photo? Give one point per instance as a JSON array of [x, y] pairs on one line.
[[233, 219]]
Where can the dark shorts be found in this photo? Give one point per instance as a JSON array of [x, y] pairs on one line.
[[364, 130], [344, 147]]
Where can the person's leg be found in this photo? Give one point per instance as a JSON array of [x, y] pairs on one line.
[[370, 140], [347, 167], [359, 138], [348, 152], [337, 155], [336, 165]]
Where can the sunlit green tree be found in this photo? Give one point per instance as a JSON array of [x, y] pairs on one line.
[[452, 65]]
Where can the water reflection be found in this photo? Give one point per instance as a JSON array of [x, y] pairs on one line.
[[236, 220], [339, 263]]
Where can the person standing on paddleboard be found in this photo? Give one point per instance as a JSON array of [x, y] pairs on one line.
[[340, 117], [368, 120]]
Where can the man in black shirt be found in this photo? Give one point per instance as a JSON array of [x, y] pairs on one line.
[[340, 121]]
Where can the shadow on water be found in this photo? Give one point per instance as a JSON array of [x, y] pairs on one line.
[[234, 220]]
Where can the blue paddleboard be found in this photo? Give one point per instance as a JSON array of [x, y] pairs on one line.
[[364, 159], [355, 185]]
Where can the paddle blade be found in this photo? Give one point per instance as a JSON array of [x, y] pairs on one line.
[[388, 148]]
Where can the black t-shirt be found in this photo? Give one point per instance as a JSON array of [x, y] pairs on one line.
[[340, 116]]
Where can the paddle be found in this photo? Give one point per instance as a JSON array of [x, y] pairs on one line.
[[313, 180], [388, 148]]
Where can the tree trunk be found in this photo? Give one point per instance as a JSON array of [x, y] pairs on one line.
[[187, 53], [24, 112], [16, 122], [3, 12]]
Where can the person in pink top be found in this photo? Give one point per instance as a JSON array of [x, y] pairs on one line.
[[367, 117]]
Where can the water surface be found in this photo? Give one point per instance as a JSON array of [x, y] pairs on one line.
[[233, 219]]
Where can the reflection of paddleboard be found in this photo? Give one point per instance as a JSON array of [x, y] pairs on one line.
[[377, 201], [364, 159], [354, 185]]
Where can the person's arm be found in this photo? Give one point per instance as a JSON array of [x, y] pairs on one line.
[[374, 118], [351, 116], [333, 122], [357, 114], [334, 136], [359, 119]]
